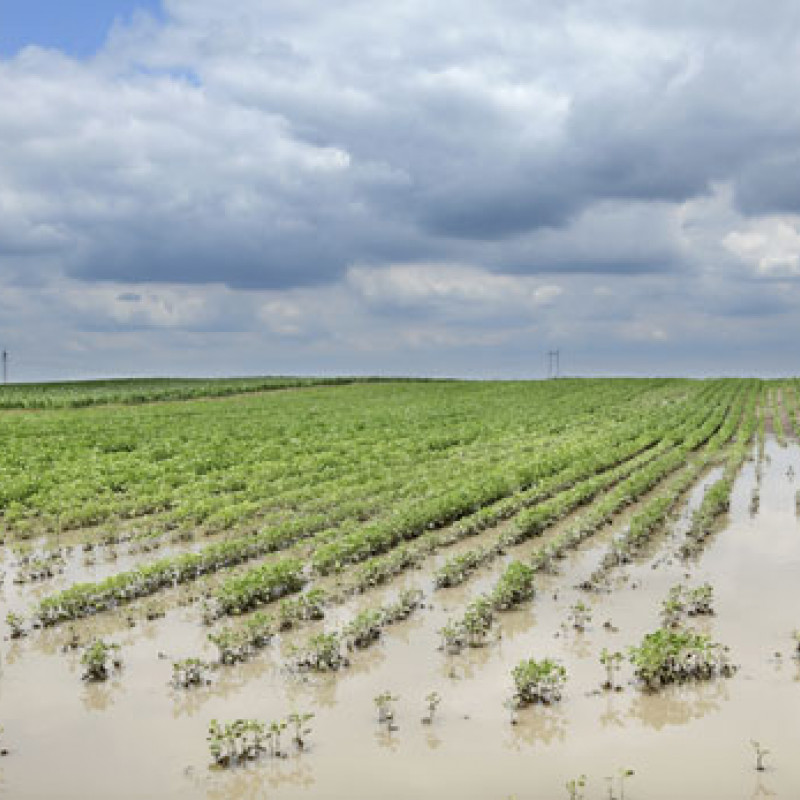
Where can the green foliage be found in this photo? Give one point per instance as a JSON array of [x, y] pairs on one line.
[[538, 681], [677, 656], [189, 672], [98, 659]]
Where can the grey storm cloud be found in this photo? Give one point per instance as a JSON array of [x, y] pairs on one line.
[[332, 182], [275, 145]]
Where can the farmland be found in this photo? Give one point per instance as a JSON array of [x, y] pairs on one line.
[[346, 588]]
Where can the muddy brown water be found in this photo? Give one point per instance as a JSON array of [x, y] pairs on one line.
[[136, 737]]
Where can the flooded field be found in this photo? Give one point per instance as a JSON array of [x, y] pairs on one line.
[[136, 735]]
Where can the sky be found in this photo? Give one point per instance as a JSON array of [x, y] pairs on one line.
[[190, 187]]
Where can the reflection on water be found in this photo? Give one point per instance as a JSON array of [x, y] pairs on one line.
[[387, 738], [316, 691], [432, 739], [248, 782], [677, 705], [537, 725], [761, 789], [100, 696], [612, 715]]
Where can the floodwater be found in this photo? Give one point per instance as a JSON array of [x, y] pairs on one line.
[[136, 737]]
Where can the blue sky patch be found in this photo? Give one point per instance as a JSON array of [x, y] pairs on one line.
[[76, 27]]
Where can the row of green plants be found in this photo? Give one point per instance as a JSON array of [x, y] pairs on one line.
[[474, 626], [651, 518], [122, 587], [235, 743], [327, 651], [186, 462], [715, 502], [269, 582], [514, 587]]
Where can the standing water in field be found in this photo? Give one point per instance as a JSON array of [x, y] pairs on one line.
[[409, 718]]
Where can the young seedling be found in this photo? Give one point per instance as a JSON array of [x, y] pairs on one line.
[[700, 601], [189, 672], [575, 788], [276, 728], [580, 615], [760, 752], [618, 781], [98, 659], [16, 624], [755, 500], [433, 699], [3, 748], [612, 663], [796, 637], [384, 702], [299, 731], [322, 654], [673, 608]]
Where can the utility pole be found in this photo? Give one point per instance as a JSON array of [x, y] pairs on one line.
[[5, 366], [553, 364]]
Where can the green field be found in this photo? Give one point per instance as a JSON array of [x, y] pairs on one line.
[[246, 521]]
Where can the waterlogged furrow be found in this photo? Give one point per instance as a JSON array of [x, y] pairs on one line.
[[645, 523], [434, 512]]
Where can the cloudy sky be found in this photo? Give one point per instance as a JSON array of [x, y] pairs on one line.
[[304, 186]]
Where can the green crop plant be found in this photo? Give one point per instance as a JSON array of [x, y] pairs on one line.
[[514, 587], [612, 662], [538, 681], [673, 607], [189, 672], [676, 656], [580, 615], [432, 702], [16, 625], [384, 703], [99, 659], [308, 606], [363, 630], [322, 653], [301, 730]]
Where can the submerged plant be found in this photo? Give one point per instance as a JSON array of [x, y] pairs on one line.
[[384, 702], [300, 732], [17, 625], [363, 630], [538, 681], [98, 659], [580, 615], [618, 779], [669, 656], [575, 787], [189, 672], [673, 607], [236, 741], [612, 663], [760, 752], [322, 653], [432, 700]]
